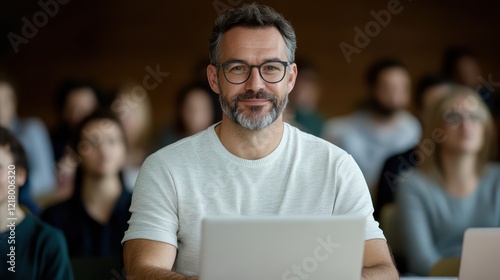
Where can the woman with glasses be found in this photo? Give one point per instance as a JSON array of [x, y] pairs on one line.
[[454, 186]]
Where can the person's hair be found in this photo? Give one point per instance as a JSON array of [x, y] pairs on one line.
[[451, 57], [184, 92], [7, 139], [70, 85], [98, 115], [425, 83], [251, 16], [376, 68], [431, 164]]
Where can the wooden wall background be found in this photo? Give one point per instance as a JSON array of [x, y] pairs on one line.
[[113, 40]]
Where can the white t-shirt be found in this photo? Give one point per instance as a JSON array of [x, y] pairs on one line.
[[195, 177], [372, 143]]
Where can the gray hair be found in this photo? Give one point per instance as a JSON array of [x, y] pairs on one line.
[[252, 16]]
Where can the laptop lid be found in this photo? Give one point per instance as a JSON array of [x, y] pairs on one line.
[[480, 254], [288, 248]]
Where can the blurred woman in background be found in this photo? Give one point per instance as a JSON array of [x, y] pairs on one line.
[[197, 108], [455, 187], [75, 100], [95, 217], [133, 108]]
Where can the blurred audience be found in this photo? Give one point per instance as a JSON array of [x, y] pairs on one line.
[[197, 107], [460, 64], [75, 100], [429, 89], [95, 217], [302, 110], [455, 186], [382, 126], [133, 108], [40, 250], [34, 136]]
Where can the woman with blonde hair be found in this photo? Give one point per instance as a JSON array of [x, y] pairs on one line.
[[454, 186]]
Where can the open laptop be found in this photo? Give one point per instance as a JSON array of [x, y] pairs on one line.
[[284, 248], [480, 254]]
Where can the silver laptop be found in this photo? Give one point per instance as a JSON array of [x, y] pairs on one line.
[[294, 248], [480, 254]]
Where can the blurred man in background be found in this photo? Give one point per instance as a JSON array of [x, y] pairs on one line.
[[382, 126], [302, 110]]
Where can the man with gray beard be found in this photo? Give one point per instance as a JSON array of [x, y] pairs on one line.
[[249, 164]]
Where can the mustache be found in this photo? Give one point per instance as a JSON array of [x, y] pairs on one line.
[[255, 95]]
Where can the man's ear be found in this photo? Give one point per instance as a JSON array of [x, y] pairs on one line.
[[21, 176], [292, 77], [213, 79]]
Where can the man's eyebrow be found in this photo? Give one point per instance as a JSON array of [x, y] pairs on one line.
[[243, 61], [235, 60]]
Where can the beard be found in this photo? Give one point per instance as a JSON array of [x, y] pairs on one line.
[[256, 118], [383, 110]]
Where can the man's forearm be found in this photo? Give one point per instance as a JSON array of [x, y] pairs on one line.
[[159, 273], [380, 272]]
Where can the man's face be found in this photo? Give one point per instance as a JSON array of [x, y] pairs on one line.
[[254, 104], [392, 90]]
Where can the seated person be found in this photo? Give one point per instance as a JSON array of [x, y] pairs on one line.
[[95, 217], [397, 167], [37, 251], [33, 135], [455, 187], [196, 109], [380, 127], [133, 107], [250, 163], [303, 110]]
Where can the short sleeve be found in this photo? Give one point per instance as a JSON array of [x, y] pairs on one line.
[[353, 196], [154, 204]]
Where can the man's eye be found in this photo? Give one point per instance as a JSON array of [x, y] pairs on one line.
[[237, 68]]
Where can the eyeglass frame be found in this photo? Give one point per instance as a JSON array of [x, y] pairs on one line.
[[223, 65]]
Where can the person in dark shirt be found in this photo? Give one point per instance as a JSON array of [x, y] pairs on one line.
[[429, 89], [95, 217], [29, 248]]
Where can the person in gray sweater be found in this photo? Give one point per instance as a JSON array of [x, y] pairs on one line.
[[454, 186]]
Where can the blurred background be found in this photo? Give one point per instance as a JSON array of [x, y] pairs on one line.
[[61, 61], [114, 41]]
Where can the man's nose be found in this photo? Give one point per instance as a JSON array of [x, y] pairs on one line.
[[255, 81]]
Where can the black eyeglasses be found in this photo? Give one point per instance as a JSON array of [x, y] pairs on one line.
[[238, 72]]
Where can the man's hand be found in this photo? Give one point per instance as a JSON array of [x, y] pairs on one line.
[[147, 259], [377, 261]]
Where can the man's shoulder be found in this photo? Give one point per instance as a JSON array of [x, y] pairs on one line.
[[312, 144], [184, 145]]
